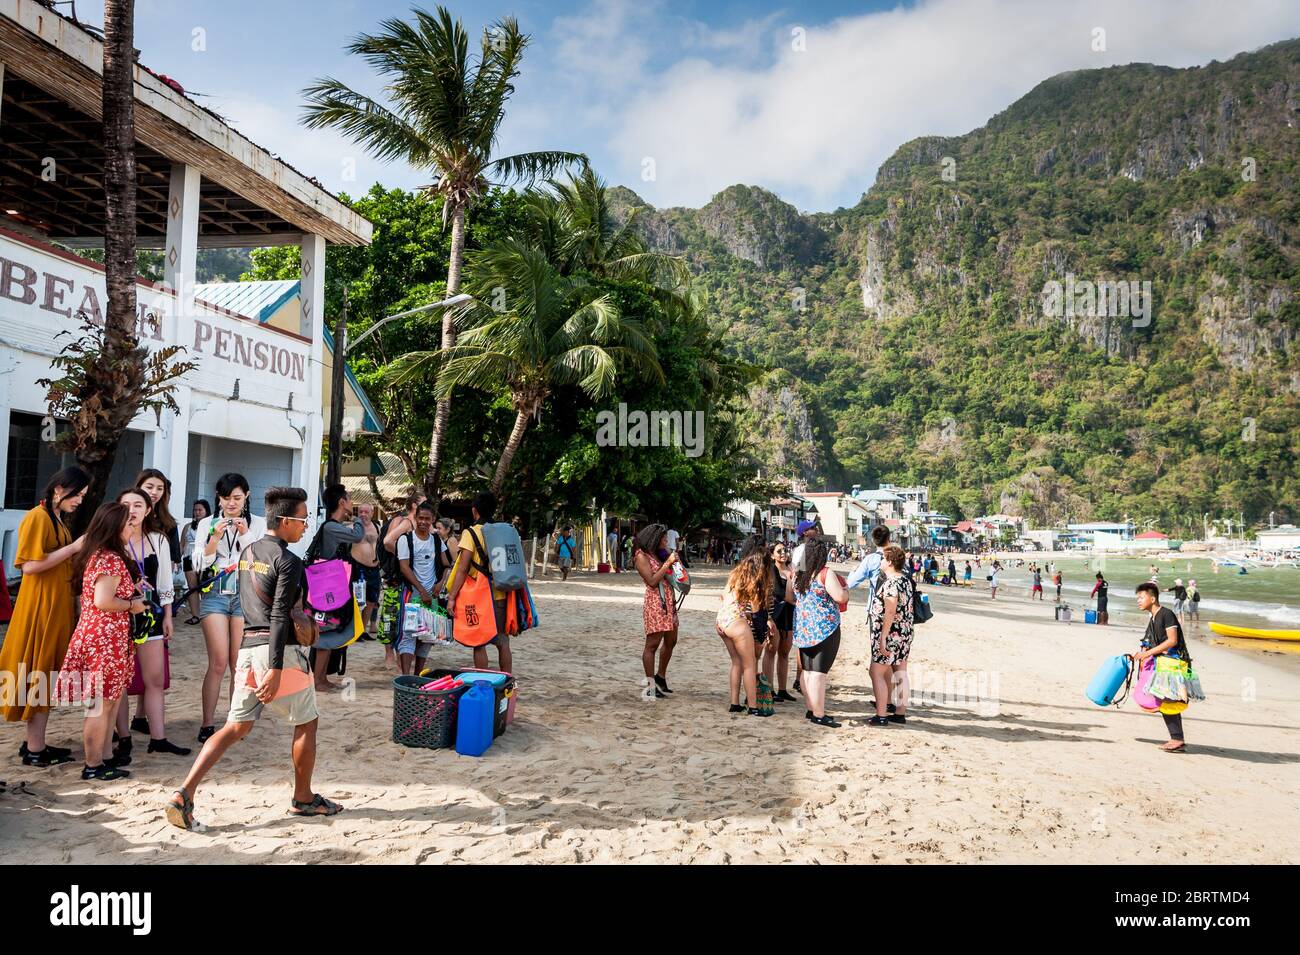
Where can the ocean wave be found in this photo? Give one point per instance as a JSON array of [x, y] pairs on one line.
[[1279, 613]]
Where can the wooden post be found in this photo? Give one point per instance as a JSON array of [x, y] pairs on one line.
[[532, 563], [546, 553]]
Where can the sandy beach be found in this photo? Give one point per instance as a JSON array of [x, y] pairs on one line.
[[591, 771]]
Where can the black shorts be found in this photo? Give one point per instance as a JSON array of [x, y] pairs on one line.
[[187, 564], [820, 658]]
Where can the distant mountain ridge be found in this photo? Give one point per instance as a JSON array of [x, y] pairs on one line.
[[908, 336]]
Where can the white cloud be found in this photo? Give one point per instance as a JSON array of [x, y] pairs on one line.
[[815, 125]]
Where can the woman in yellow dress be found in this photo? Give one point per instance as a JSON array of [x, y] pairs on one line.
[[44, 615]]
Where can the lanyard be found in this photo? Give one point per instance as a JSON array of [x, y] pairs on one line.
[[145, 586]]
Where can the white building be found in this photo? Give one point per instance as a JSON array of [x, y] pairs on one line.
[[916, 500], [843, 518], [254, 404], [1279, 539]]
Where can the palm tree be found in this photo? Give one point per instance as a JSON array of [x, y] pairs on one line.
[[571, 219], [445, 117], [556, 330]]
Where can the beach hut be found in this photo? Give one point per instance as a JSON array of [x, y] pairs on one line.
[[255, 401]]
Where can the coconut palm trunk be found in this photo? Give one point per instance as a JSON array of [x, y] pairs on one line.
[[508, 453], [433, 476], [115, 375]]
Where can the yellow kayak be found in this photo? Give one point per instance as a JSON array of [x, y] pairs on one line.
[[1223, 630]]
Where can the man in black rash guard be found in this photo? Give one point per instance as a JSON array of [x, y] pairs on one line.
[[272, 669]]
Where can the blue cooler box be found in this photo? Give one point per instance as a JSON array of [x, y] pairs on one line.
[[1090, 616]]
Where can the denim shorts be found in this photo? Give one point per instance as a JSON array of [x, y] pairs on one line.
[[226, 604]]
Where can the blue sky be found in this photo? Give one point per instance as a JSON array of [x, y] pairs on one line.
[[680, 99]]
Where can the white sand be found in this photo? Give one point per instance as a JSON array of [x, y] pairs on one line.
[[591, 771]]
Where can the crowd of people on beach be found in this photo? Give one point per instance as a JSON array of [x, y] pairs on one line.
[[95, 614]]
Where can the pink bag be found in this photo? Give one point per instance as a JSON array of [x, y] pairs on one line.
[[1140, 684], [137, 679], [329, 584]]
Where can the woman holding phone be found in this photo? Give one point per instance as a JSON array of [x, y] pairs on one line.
[[218, 541], [654, 563]]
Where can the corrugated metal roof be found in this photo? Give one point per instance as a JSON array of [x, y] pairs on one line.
[[256, 300]]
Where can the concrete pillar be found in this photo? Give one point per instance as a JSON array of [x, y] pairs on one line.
[[169, 450], [313, 327]]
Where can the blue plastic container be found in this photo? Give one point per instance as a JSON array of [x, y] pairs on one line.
[[492, 679], [1108, 680], [474, 720], [1090, 616]]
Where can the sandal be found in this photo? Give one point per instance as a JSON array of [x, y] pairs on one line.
[[319, 806], [1174, 749], [182, 815], [193, 621]]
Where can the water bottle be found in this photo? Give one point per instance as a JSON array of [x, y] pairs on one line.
[[477, 710]]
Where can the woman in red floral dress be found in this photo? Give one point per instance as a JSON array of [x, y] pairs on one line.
[[99, 663], [659, 612]]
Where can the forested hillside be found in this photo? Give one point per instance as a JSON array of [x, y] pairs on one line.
[[908, 338]]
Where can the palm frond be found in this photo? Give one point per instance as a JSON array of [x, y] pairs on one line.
[[526, 167], [383, 133]]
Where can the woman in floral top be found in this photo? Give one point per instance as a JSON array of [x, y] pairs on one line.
[[890, 619], [816, 593]]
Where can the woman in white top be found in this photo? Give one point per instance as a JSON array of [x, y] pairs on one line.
[[218, 541], [150, 551]]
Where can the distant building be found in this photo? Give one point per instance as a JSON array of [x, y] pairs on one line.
[[916, 500], [784, 515], [843, 518], [1286, 537], [885, 504]]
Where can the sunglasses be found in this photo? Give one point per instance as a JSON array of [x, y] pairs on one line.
[[305, 520]]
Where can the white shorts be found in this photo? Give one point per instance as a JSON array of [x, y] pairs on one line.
[[294, 708]]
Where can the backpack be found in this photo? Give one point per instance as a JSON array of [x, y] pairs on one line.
[[342, 552], [505, 556], [390, 570]]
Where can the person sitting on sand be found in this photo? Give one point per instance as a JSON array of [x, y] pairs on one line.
[[1173, 679], [816, 593], [654, 562], [272, 669], [746, 591]]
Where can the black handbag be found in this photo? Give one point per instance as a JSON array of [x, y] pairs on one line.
[[921, 611]]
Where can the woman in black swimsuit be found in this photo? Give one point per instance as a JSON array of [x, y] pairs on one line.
[[776, 654]]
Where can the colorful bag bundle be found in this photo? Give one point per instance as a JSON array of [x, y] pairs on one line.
[[1174, 681], [521, 613]]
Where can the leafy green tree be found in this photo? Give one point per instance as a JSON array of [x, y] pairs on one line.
[[550, 330], [445, 117]]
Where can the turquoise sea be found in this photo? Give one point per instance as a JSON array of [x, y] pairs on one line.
[[1267, 598]]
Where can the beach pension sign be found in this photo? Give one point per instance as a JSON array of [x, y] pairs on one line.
[[40, 289]]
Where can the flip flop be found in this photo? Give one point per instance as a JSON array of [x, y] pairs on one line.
[[319, 806], [181, 816]]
